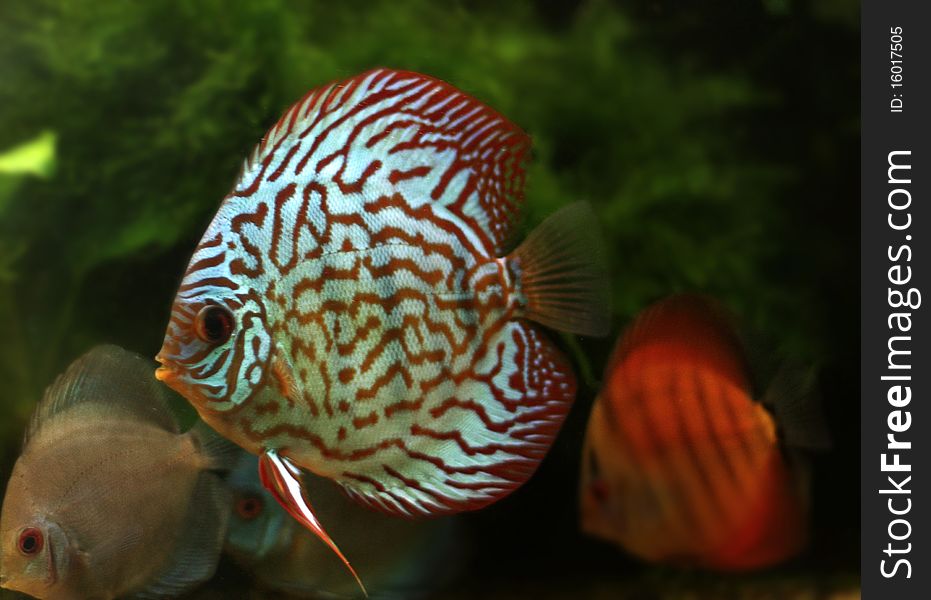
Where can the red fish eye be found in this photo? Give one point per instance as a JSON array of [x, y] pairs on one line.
[[30, 541], [213, 324], [599, 490], [249, 508]]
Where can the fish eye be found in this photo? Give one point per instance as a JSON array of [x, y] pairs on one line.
[[599, 490], [593, 465], [30, 541], [213, 324], [249, 507], [598, 486]]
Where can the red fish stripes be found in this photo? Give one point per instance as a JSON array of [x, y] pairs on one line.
[[681, 464]]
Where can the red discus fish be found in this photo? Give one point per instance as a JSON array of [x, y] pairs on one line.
[[680, 463], [352, 308]]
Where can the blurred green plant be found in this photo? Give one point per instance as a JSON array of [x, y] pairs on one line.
[[154, 105], [35, 157], [32, 159]]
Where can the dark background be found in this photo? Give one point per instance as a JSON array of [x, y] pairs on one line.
[[717, 141]]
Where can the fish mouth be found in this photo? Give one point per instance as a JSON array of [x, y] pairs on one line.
[[164, 372], [172, 376]]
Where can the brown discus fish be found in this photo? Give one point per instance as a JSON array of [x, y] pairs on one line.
[[108, 499], [681, 463]]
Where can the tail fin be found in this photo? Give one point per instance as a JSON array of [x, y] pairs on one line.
[[199, 542], [563, 272], [221, 454], [794, 398]]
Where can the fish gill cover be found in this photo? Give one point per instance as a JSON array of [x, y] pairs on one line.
[[709, 142]]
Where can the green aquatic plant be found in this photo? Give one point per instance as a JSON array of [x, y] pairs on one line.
[[33, 159]]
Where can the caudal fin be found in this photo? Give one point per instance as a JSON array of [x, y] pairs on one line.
[[794, 398], [563, 272], [199, 542]]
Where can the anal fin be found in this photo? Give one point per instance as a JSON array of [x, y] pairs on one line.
[[283, 480], [479, 445]]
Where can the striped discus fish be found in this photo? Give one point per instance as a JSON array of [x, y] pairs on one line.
[[352, 308], [681, 464]]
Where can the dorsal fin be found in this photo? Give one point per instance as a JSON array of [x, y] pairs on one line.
[[388, 133], [111, 378], [689, 325]]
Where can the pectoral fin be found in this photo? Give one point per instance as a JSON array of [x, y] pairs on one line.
[[283, 379], [283, 480]]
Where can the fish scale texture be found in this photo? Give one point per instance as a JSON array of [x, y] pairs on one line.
[[360, 248]]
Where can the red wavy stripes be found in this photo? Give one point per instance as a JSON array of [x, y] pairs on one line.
[[391, 309]]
